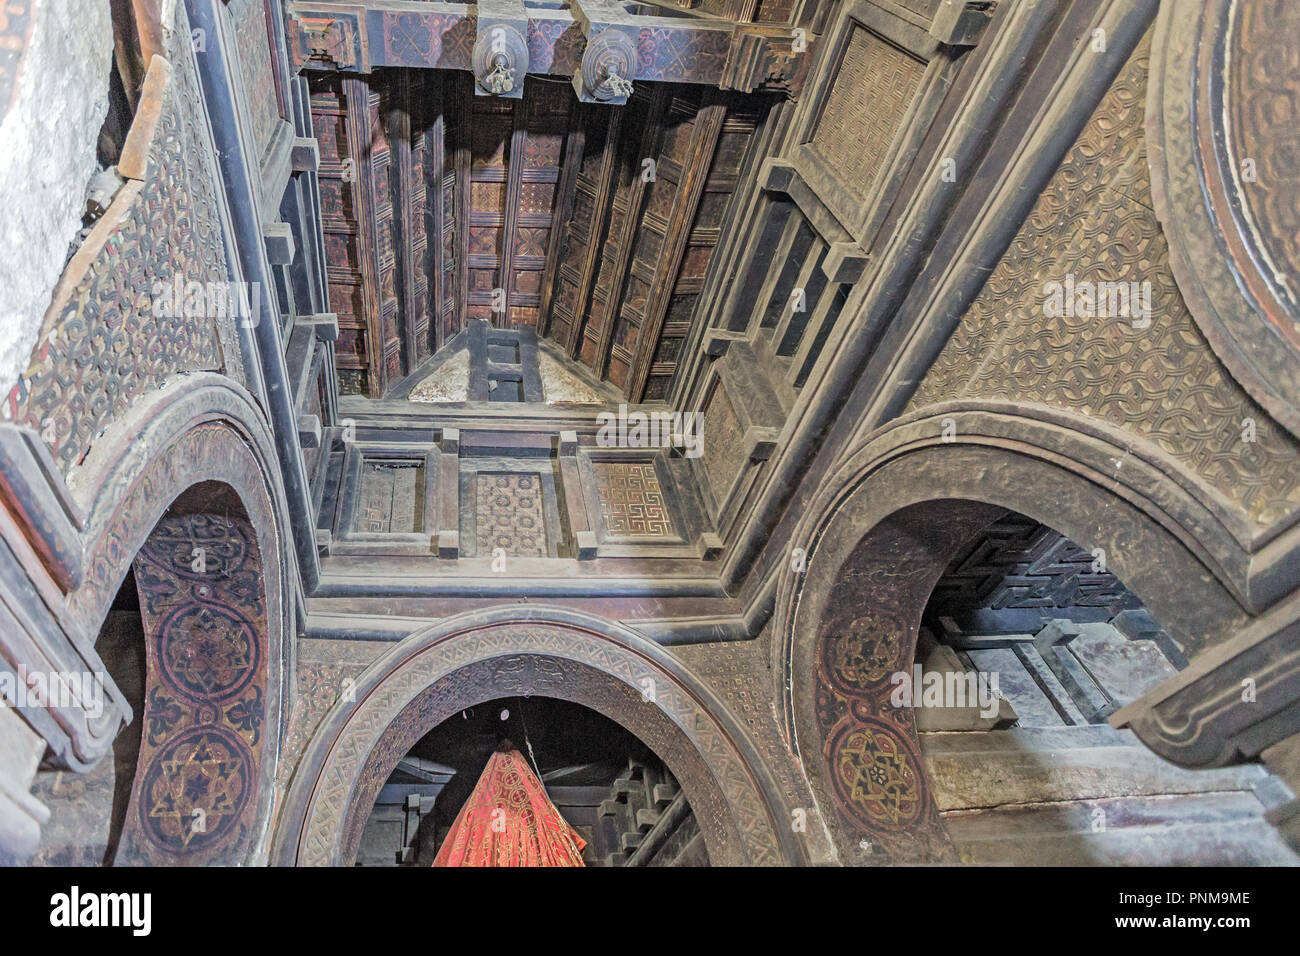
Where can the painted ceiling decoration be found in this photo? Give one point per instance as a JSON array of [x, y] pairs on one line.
[[592, 225]]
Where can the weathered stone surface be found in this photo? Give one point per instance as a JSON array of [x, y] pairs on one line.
[[47, 156]]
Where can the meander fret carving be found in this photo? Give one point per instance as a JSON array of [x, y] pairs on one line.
[[1019, 563], [631, 499], [106, 347], [195, 795], [724, 452], [1162, 382]]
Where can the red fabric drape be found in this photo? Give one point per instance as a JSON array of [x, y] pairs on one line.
[[509, 821]]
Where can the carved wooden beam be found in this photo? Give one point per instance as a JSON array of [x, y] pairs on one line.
[[500, 56], [598, 43], [609, 60]]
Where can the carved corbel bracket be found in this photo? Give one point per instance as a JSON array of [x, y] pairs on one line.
[[609, 63], [500, 61], [961, 22], [327, 42], [773, 59]]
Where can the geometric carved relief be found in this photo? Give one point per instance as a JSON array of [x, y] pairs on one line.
[[868, 103], [390, 497], [509, 514], [1018, 563], [106, 347], [1162, 382], [252, 41], [724, 450], [631, 499]]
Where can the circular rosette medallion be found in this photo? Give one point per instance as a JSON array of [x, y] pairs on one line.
[[200, 547], [195, 790], [207, 653], [866, 653], [877, 775]]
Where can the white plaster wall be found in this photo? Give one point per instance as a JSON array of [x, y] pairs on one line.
[[47, 156]]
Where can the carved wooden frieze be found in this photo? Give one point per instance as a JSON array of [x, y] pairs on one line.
[[598, 44]]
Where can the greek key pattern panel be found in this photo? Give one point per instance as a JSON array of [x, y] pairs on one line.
[[631, 500], [195, 794], [107, 348], [1095, 223]]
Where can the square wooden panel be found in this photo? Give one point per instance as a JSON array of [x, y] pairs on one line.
[[868, 104], [390, 499], [632, 503], [508, 514], [387, 499], [874, 94], [724, 443]]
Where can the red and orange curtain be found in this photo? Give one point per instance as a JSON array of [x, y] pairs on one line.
[[509, 821]]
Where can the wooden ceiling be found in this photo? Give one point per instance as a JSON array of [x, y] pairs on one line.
[[592, 224]]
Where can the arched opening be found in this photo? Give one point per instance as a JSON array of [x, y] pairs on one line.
[[1028, 643], [532, 652], [608, 785], [967, 660], [186, 640]]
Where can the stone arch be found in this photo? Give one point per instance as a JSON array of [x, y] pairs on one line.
[[880, 533], [542, 651], [195, 461]]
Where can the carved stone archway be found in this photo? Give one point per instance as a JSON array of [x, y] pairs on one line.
[[880, 534], [196, 459], [543, 651]]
